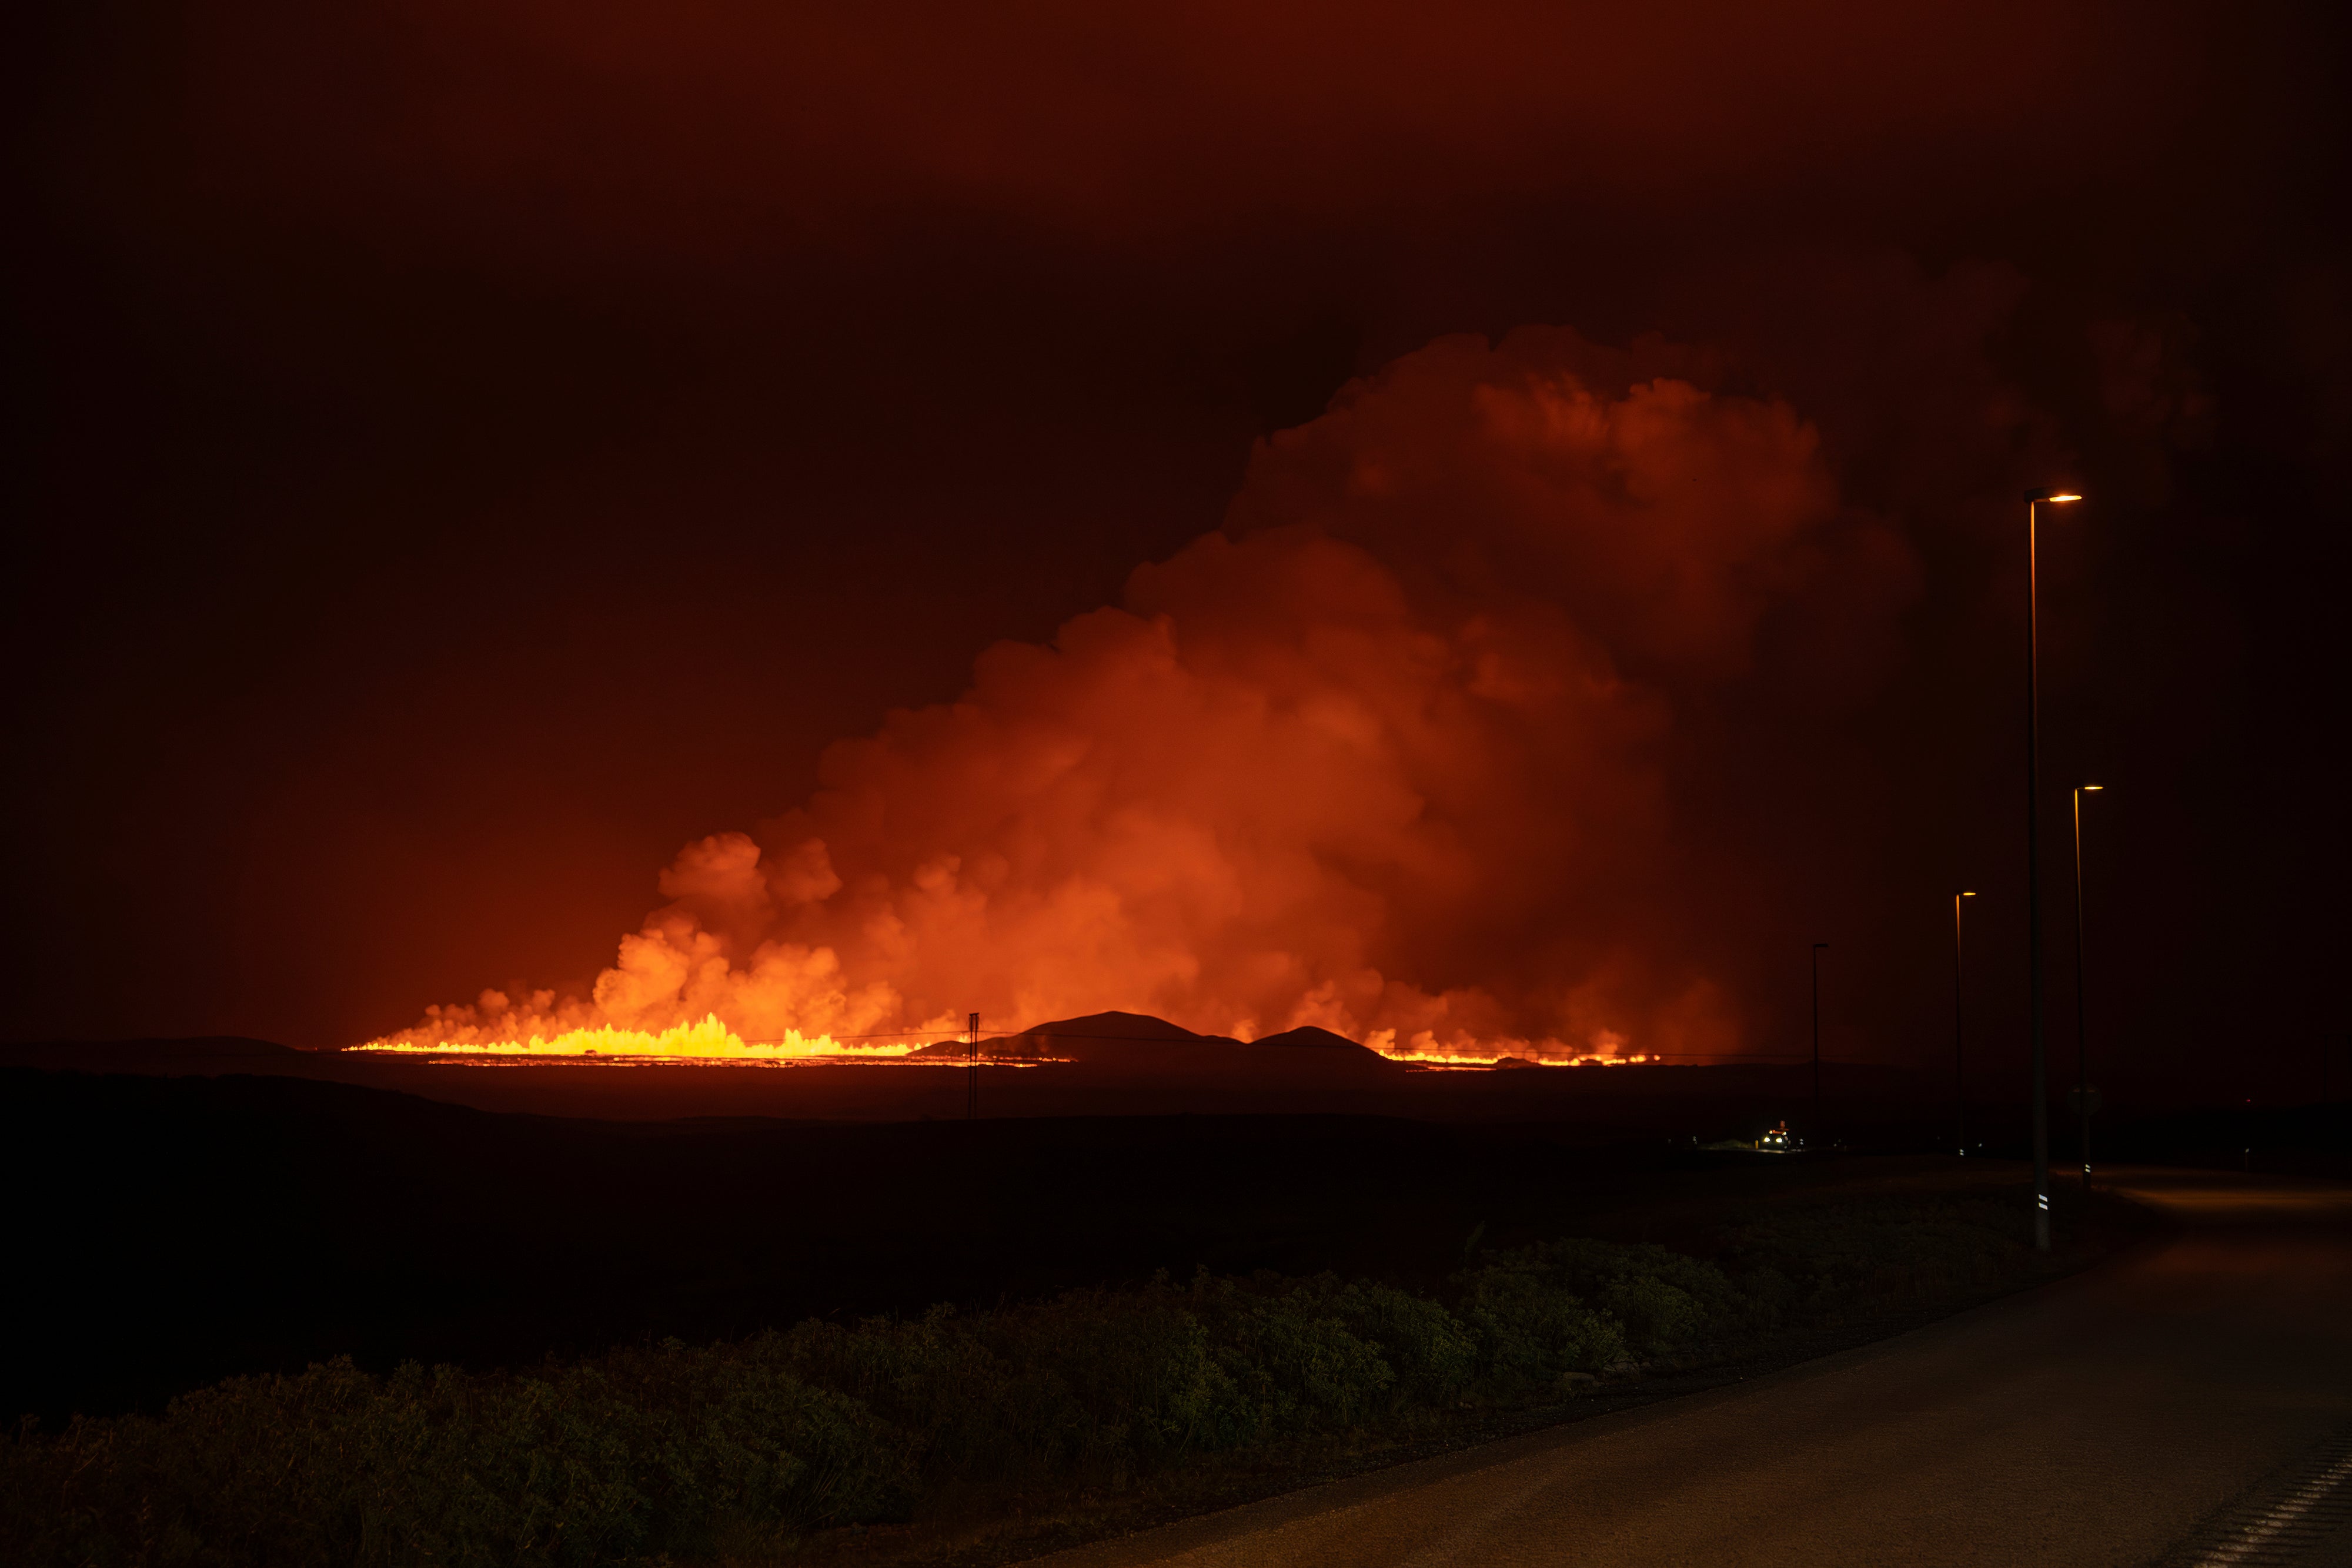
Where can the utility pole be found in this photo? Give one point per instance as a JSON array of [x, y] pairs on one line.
[[2082, 1016], [1817, 1037], [972, 1076], [1960, 1076]]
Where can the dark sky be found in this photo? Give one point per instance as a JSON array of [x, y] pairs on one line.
[[465, 451]]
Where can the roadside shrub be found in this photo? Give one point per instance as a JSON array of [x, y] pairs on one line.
[[956, 1404], [1529, 1330], [1148, 1384], [1662, 1301], [1433, 1356], [1293, 1358], [653, 1451]]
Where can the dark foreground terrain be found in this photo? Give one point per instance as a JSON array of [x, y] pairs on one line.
[[169, 1231], [938, 1343], [453, 1335], [175, 1231]]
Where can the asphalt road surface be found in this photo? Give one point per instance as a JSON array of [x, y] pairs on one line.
[[2186, 1403]]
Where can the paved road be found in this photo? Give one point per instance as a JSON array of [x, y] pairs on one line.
[[2100, 1420]]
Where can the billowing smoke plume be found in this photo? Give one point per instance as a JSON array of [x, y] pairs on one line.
[[1394, 752]]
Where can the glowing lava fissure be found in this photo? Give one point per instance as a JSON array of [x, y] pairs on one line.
[[709, 1040], [1397, 753]]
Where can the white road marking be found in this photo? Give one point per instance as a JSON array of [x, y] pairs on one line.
[[2287, 1525]]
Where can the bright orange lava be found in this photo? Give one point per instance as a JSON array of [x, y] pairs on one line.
[[1461, 1059], [710, 1039]]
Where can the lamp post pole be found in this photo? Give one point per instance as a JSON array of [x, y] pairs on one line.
[[1817, 1037], [2082, 1029], [972, 1076], [2033, 499], [1959, 1074]]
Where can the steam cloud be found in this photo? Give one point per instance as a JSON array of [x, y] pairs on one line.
[[1394, 752]]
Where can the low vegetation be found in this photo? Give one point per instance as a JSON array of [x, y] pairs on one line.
[[753, 1451]]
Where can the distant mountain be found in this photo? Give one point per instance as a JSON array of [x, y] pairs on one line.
[[1308, 1036], [1139, 1042], [1131, 1029], [1082, 1038], [1313, 1039]]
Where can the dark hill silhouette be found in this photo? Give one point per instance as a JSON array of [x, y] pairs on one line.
[[217, 1052], [1095, 1037], [1322, 1040], [1125, 1042], [197, 1056], [1118, 1027], [1137, 1043], [1076, 1039]]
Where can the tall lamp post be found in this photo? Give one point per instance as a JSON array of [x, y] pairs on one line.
[[1817, 1037], [2034, 499], [2082, 1029], [1960, 1076]]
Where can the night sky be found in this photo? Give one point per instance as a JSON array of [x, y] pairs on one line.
[[465, 451]]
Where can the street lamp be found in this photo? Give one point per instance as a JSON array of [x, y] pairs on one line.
[[1817, 1037], [1959, 1076], [2082, 1031], [2034, 499]]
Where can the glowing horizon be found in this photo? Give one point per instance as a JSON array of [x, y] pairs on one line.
[[713, 1039]]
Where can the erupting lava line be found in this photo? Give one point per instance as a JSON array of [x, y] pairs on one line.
[[706, 1041], [712, 1039]]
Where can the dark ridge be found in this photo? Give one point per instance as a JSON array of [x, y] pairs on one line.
[[1316, 1039], [110, 1053], [1075, 1038], [1117, 1026]]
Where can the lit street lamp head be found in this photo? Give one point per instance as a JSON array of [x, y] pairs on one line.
[[2053, 496]]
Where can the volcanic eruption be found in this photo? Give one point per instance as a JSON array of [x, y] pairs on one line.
[[1395, 752]]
